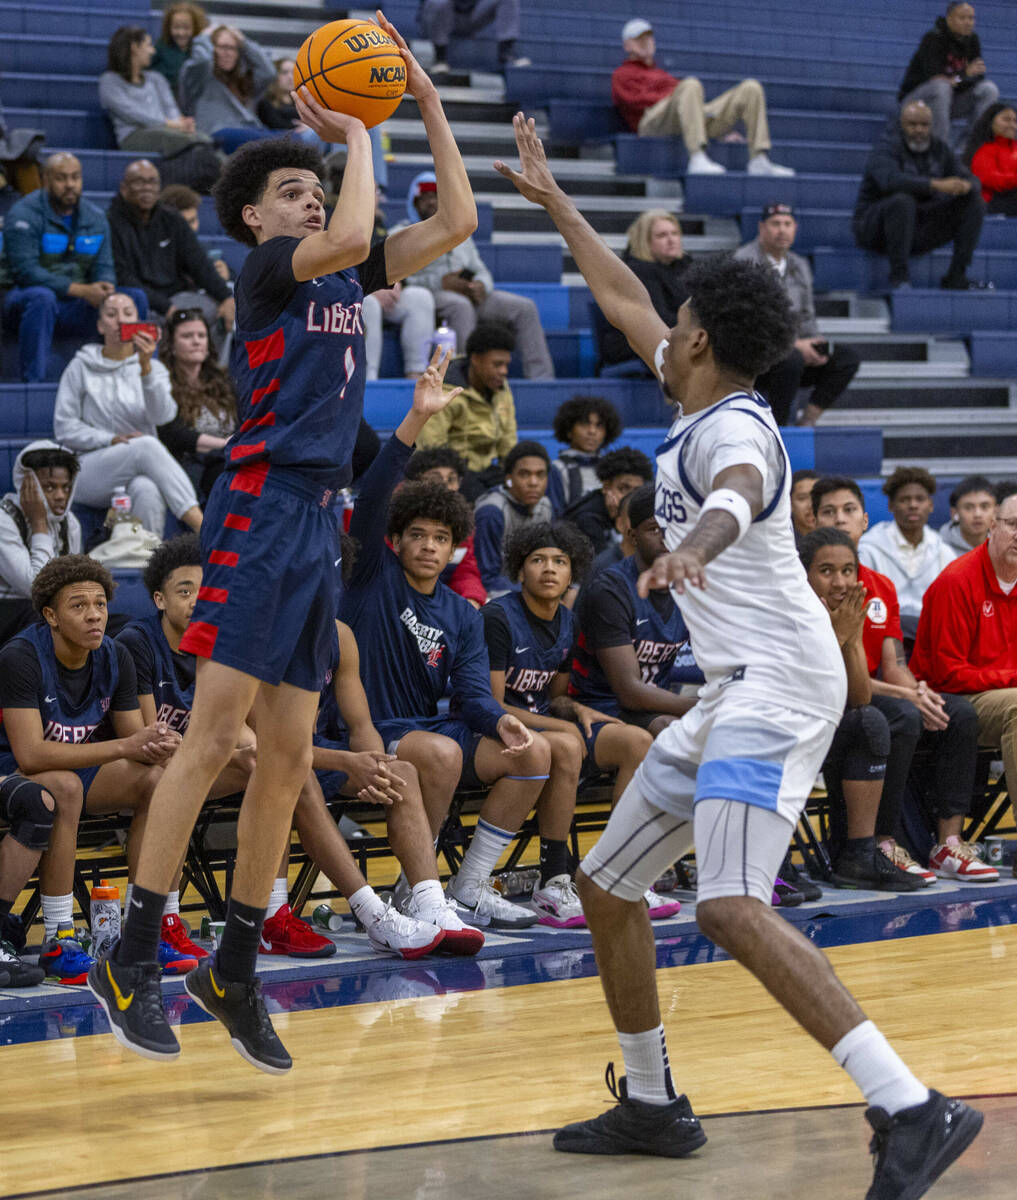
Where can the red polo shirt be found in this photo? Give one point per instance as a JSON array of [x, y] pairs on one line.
[[882, 615], [967, 633], [635, 87]]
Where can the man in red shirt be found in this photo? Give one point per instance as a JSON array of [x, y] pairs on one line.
[[946, 725], [653, 103], [967, 634]]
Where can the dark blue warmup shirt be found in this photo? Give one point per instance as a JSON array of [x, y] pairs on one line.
[[530, 651], [167, 676]]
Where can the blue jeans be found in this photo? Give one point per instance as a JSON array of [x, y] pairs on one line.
[[39, 313]]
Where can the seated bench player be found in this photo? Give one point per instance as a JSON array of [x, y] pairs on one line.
[[417, 639], [442, 464], [628, 646], [64, 685], [531, 638], [520, 500]]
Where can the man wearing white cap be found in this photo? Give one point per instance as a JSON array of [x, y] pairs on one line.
[[653, 103]]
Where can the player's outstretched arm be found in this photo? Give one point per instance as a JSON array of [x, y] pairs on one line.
[[429, 397], [622, 298], [410, 249]]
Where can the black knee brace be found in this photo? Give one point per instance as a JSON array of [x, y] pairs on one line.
[[875, 731], [22, 802]]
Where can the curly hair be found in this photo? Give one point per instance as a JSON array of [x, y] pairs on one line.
[[245, 177], [562, 535], [525, 450], [744, 312], [214, 389], [61, 572], [826, 535], [904, 477], [430, 502], [834, 483], [432, 457], [199, 20], [182, 551], [118, 53], [579, 408], [490, 335], [626, 460]]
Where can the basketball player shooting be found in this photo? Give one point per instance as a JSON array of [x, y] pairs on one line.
[[732, 777], [266, 611]]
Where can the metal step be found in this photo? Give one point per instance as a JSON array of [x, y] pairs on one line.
[[905, 392]]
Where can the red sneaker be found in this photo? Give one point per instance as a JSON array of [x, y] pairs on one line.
[[286, 933], [174, 933]]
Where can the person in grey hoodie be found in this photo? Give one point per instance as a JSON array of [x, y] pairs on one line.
[[222, 82], [109, 403]]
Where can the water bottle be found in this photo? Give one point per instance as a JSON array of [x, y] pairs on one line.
[[520, 882], [443, 339], [105, 916], [121, 504]]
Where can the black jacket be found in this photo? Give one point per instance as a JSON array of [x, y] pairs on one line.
[[892, 167], [591, 516], [665, 283], [163, 257], [941, 52]]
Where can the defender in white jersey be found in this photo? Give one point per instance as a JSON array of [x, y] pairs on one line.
[[733, 775]]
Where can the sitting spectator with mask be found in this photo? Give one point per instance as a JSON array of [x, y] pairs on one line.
[[972, 507], [586, 424], [521, 500]]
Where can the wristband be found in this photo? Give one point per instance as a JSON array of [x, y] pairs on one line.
[[734, 504]]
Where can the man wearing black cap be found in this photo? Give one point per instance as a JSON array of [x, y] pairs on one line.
[[813, 362]]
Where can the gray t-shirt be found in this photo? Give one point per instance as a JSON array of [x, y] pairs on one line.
[[134, 106]]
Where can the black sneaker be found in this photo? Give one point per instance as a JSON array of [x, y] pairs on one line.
[[17, 974], [241, 1009], [799, 880], [916, 1146], [131, 998], [875, 871], [784, 895], [12, 931], [632, 1127]]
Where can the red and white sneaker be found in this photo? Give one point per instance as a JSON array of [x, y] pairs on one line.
[[286, 933], [900, 858], [408, 937], [461, 940], [954, 859], [659, 906], [174, 933], [558, 903]]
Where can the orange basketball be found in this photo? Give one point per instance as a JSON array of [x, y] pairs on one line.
[[352, 67]]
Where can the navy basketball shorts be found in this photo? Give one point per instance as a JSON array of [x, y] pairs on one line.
[[9, 766], [331, 782], [590, 767], [398, 727], [270, 585]]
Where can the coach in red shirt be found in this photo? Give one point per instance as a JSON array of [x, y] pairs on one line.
[[967, 635]]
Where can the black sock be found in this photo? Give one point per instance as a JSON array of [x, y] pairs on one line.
[[238, 950], [865, 845], [139, 942], [505, 50], [554, 859], [5, 907]]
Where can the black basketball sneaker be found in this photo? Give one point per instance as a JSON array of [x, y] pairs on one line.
[[240, 1007], [915, 1146], [131, 998]]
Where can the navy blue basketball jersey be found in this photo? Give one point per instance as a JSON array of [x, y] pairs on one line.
[[299, 375], [172, 681], [532, 666], [62, 719], [610, 612]]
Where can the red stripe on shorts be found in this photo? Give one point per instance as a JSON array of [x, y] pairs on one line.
[[199, 639], [223, 558], [266, 349], [250, 479], [246, 451], [213, 595], [236, 522], [259, 394], [255, 422]]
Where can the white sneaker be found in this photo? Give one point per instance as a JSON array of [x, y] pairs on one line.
[[700, 163], [558, 903], [460, 938], [395, 933], [954, 859], [760, 164], [659, 906], [489, 907]]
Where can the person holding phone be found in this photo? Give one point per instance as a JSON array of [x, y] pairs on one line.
[[109, 403]]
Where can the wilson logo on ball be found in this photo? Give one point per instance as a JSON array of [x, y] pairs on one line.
[[364, 41]]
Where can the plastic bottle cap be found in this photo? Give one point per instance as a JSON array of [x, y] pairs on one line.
[[106, 891]]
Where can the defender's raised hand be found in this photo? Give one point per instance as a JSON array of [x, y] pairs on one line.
[[429, 394], [534, 179]]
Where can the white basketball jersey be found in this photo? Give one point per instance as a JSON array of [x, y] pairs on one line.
[[758, 626]]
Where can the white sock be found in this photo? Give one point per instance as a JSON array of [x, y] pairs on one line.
[[488, 845], [57, 914], [172, 906], [280, 896], [128, 893], [877, 1070], [647, 1070], [367, 905], [426, 897]]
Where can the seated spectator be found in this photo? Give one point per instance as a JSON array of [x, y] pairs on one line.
[[276, 110], [419, 641], [972, 507], [943, 724], [408, 306], [654, 103], [520, 501], [441, 464], [992, 157], [585, 424], [619, 471], [464, 292], [109, 403], [441, 20], [855, 766], [619, 547], [480, 422], [654, 254], [60, 255], [181, 24], [19, 158], [812, 362], [905, 549], [187, 203], [915, 196], [221, 83], [140, 102], [206, 416], [155, 250], [36, 525], [947, 72], [802, 516], [628, 644], [967, 637]]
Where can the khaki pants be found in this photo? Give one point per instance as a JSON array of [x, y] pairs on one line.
[[997, 726], [684, 111]]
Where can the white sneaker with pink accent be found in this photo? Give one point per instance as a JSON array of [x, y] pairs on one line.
[[955, 859]]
